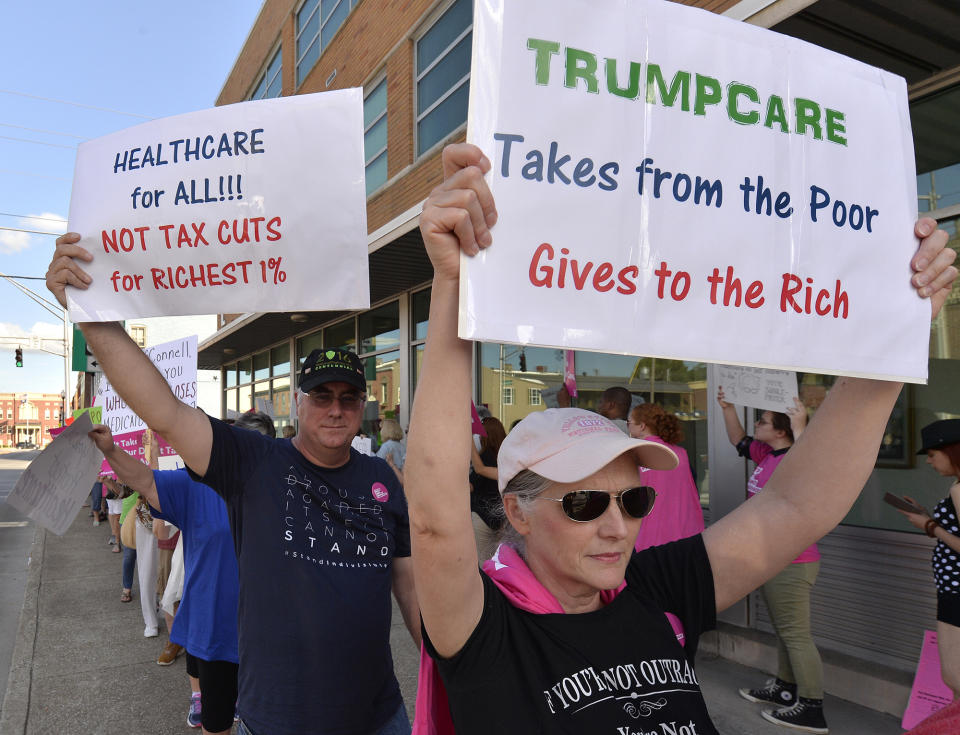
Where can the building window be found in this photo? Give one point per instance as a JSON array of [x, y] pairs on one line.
[[138, 333], [375, 136], [443, 75], [533, 396], [46, 414], [508, 395], [317, 22], [271, 83]]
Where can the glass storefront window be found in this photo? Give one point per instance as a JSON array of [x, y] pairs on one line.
[[244, 371], [281, 402], [341, 336], [416, 362], [244, 398], [383, 380], [280, 359], [230, 376], [261, 396], [420, 313], [380, 328], [231, 397], [261, 366], [306, 345], [679, 387]]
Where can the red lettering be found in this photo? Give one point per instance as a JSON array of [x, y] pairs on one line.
[[580, 277], [273, 234], [166, 234], [601, 277], [753, 298], [536, 269], [627, 277], [791, 286]]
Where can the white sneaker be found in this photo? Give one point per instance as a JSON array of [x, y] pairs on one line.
[[149, 632], [96, 520]]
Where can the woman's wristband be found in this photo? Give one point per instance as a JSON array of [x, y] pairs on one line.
[[931, 527]]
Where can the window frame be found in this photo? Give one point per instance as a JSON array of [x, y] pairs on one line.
[[278, 54], [318, 38], [384, 151], [417, 77]]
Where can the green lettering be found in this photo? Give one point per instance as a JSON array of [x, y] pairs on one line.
[[633, 89], [736, 90], [707, 93], [775, 114], [544, 50], [679, 85], [836, 127], [581, 65], [808, 115]]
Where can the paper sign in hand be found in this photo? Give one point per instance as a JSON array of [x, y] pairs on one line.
[[227, 209], [763, 388], [52, 488]]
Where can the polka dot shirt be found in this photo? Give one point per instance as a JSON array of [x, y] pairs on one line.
[[946, 561]]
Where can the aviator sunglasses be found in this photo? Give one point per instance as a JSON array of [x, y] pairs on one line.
[[588, 505]]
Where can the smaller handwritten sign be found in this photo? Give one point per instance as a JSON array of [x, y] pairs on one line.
[[929, 694], [766, 389], [52, 488]]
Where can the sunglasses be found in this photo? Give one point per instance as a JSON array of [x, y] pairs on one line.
[[588, 505], [347, 401]]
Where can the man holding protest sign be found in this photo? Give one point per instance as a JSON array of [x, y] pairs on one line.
[[604, 663], [321, 535]]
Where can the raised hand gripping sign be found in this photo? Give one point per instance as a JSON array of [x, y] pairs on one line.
[[257, 206], [675, 184]]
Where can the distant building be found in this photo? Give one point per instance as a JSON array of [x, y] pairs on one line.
[[28, 417]]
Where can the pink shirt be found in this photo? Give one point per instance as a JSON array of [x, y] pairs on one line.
[[676, 513], [767, 459]]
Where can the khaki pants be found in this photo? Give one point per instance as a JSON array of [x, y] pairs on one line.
[[788, 599]]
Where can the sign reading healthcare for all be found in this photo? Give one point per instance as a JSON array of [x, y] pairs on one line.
[[672, 183], [257, 206]]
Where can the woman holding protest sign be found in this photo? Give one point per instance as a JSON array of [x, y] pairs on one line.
[[797, 690], [678, 514], [607, 655], [941, 444]]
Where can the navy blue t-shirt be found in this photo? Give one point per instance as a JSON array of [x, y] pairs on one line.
[[314, 547]]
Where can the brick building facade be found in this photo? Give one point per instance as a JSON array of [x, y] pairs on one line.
[[28, 417]]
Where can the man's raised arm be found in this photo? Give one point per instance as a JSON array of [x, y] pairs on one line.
[[131, 373]]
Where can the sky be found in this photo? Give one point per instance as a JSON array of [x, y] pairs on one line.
[[75, 71]]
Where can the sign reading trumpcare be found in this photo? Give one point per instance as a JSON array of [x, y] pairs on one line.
[[675, 184], [257, 206]]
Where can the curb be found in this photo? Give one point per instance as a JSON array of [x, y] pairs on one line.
[[16, 702]]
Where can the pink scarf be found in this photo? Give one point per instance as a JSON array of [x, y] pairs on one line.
[[518, 584]]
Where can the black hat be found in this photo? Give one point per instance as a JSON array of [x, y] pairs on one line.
[[332, 366], [939, 434]]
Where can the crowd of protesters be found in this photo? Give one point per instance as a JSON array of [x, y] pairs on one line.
[[317, 536]]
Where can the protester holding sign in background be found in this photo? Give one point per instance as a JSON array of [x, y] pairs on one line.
[[941, 444], [504, 669], [797, 690]]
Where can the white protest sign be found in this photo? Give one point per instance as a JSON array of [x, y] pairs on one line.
[[176, 361], [52, 488], [763, 388], [257, 206], [672, 183]]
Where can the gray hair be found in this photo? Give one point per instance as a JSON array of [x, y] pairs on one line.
[[257, 421], [525, 486]]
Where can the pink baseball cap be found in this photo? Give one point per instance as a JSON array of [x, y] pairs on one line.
[[568, 444]]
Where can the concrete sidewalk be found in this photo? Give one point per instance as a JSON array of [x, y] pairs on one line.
[[82, 665]]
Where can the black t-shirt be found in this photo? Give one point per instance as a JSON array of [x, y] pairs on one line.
[[616, 671], [314, 550]]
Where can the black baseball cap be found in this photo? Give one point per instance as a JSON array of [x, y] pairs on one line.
[[939, 434], [332, 366]]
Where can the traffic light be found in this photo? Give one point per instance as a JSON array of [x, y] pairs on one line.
[[523, 361], [19, 357]]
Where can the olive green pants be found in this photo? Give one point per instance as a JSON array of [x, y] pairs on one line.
[[788, 599]]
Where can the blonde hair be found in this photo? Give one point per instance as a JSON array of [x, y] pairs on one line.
[[390, 429]]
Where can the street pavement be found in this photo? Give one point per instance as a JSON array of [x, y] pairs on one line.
[[81, 664]]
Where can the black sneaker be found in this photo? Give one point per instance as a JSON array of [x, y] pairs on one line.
[[805, 715], [776, 691]]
